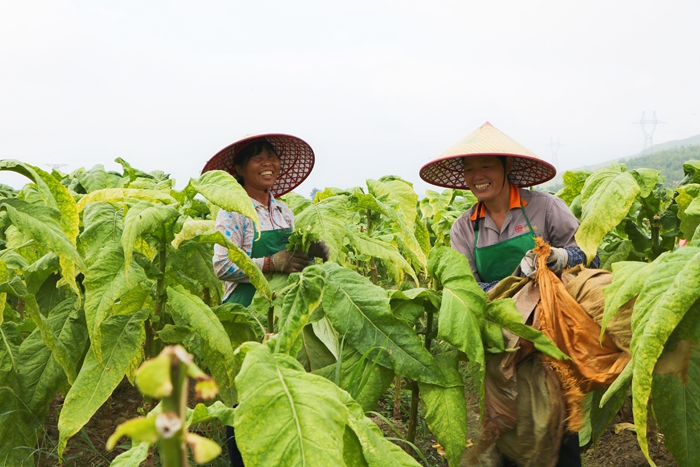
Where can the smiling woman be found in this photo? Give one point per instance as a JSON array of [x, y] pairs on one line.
[[265, 165]]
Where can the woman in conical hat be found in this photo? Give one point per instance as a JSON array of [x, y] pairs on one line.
[[267, 166], [497, 234]]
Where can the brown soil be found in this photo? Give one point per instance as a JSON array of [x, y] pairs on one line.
[[87, 448]]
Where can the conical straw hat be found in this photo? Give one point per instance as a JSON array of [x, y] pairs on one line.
[[296, 159], [447, 169]]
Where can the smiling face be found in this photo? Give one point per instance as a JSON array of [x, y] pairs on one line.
[[486, 177], [260, 172]]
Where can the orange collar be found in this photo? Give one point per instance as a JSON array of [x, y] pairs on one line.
[[514, 203]]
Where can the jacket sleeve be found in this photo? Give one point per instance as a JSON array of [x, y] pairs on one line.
[[239, 230]]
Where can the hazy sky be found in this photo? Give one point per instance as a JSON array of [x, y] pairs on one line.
[[375, 87]]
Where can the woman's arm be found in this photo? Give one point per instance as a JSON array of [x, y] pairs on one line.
[[239, 230]]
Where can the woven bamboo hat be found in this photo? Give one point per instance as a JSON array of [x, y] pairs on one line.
[[296, 159], [447, 169]]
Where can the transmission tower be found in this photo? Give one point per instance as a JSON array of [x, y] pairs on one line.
[[554, 147], [648, 127], [56, 166]]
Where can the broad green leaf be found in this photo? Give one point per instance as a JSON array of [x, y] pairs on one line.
[[323, 330], [52, 192], [36, 273], [41, 376], [602, 414], [139, 429], [122, 339], [463, 306], [434, 202], [691, 169], [628, 281], [404, 231], [97, 178], [191, 228], [360, 311], [217, 410], [688, 200], [398, 190], [134, 457], [144, 217], [191, 267], [19, 428], [309, 418], [61, 199], [622, 381], [366, 245], [106, 284], [671, 288], [103, 226], [238, 256], [17, 288], [329, 219], [363, 380], [423, 236], [377, 450], [446, 413], [676, 403], [221, 189], [647, 179], [298, 304], [352, 449], [606, 199], [41, 223], [190, 310], [295, 202], [573, 184], [503, 313], [118, 195], [203, 449]]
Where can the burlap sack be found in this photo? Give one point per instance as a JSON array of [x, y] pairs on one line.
[[586, 286]]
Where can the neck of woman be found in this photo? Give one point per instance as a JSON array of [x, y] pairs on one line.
[[499, 206], [261, 196]]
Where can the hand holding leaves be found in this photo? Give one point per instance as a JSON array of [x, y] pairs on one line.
[[319, 249]]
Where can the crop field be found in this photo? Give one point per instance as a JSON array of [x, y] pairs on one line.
[[376, 357]]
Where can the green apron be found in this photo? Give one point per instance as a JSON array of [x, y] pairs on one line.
[[269, 243], [497, 261]]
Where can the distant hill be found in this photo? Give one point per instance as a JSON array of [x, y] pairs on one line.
[[667, 158]]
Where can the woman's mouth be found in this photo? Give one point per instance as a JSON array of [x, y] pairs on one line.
[[481, 186]]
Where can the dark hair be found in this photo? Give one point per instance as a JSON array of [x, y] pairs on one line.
[[250, 151]]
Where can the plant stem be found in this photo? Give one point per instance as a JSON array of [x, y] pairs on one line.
[[173, 449], [397, 397], [271, 319], [413, 416], [160, 301]]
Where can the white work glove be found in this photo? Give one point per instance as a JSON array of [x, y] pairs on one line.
[[556, 262], [527, 266]]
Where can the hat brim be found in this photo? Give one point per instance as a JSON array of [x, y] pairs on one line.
[[448, 172], [296, 159]]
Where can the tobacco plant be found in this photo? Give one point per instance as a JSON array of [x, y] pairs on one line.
[[101, 270]]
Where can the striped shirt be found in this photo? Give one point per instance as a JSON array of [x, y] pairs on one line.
[[241, 231]]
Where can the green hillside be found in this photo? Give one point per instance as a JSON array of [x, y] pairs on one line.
[[667, 158], [669, 162]]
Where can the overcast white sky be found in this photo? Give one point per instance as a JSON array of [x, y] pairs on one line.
[[375, 87]]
